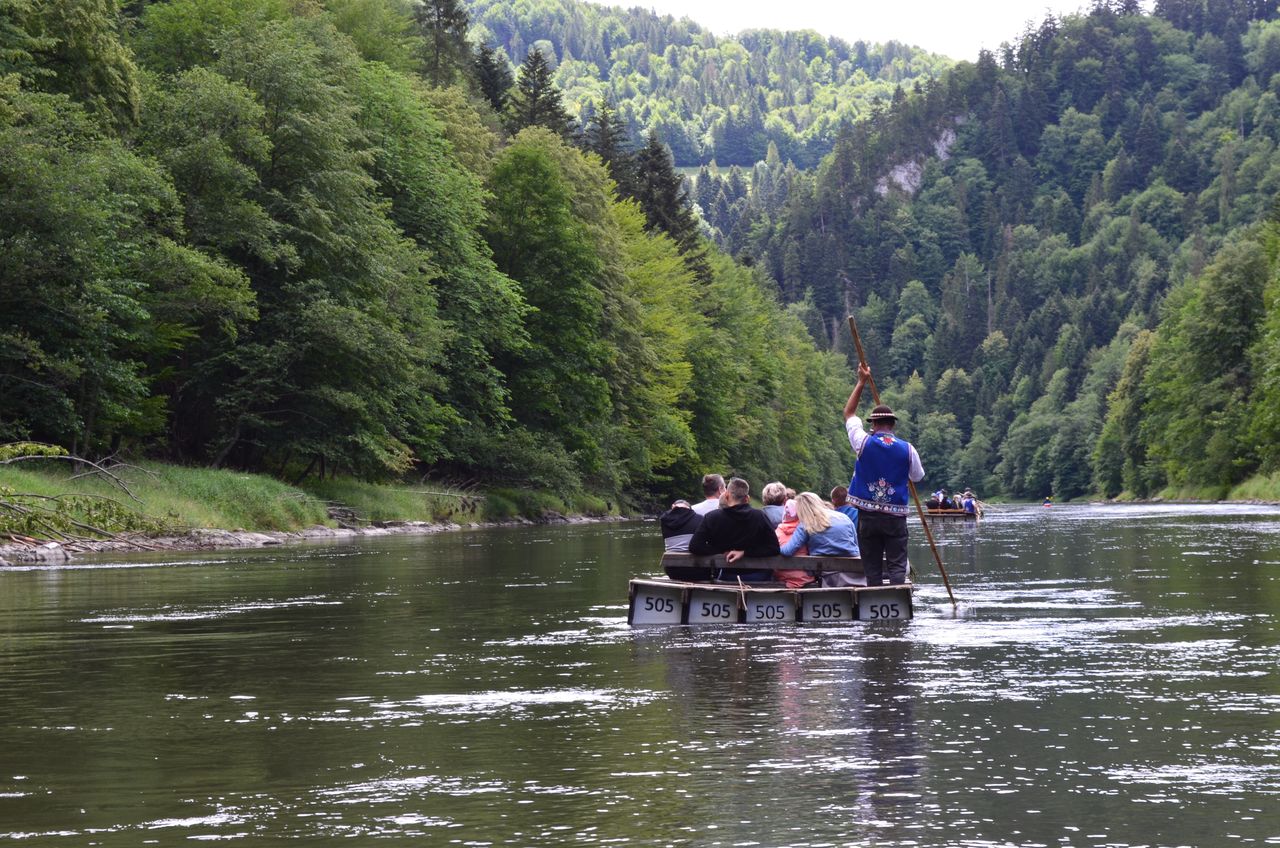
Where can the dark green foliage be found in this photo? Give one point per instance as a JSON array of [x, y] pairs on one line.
[[535, 101], [493, 75], [608, 137], [19, 42], [442, 28], [81, 55], [661, 194]]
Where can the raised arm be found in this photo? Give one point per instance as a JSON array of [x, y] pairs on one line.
[[851, 406]]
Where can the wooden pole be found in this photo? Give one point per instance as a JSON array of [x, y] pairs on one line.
[[875, 396]]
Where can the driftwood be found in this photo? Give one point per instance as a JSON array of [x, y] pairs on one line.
[[55, 522], [97, 469]]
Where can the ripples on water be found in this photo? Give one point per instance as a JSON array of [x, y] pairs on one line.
[[1109, 678]]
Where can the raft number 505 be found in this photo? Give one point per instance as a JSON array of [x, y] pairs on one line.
[[659, 604], [882, 610]]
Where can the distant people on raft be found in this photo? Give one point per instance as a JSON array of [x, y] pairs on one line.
[[825, 532], [1047, 502], [968, 502], [774, 497], [840, 503], [736, 529], [712, 489], [940, 500], [678, 525], [879, 490]]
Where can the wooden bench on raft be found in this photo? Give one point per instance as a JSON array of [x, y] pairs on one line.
[[666, 601]]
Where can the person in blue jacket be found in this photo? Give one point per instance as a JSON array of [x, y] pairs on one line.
[[879, 488]]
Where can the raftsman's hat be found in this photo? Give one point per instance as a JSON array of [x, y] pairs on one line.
[[882, 413]]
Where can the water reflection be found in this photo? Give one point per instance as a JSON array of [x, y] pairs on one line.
[[1110, 679]]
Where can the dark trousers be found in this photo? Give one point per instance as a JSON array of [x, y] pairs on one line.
[[882, 539]]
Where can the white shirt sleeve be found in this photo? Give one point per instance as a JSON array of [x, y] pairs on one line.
[[916, 472], [857, 435]]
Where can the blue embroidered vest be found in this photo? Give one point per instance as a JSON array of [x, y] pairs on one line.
[[879, 481]]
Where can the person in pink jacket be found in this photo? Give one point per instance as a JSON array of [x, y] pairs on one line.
[[793, 578]]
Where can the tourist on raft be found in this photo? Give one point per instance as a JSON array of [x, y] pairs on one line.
[[792, 578], [879, 487], [736, 529], [825, 532], [969, 503], [678, 525], [773, 496], [712, 489], [840, 503]]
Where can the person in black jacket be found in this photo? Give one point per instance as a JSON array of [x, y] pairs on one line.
[[678, 525], [736, 530]]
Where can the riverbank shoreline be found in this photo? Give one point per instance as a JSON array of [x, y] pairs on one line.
[[205, 539]]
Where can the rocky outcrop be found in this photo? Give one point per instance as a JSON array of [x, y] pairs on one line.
[[907, 177]]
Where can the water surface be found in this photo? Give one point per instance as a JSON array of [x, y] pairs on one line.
[[1111, 678]]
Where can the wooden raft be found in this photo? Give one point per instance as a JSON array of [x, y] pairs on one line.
[[951, 513], [665, 601]]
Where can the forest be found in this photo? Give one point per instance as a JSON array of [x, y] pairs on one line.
[[345, 238], [710, 98], [310, 239], [1062, 255]]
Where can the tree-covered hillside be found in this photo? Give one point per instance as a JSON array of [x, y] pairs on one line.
[[302, 239], [1061, 256], [710, 98]]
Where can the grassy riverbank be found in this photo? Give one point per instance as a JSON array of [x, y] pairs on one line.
[[1260, 487], [171, 499]]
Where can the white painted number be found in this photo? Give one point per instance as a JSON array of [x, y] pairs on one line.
[[716, 610], [659, 604]]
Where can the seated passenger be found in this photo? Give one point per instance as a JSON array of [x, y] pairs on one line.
[[736, 529], [840, 502], [826, 532], [773, 497], [678, 524], [792, 578], [712, 489]]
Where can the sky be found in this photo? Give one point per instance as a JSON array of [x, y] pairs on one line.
[[951, 27]]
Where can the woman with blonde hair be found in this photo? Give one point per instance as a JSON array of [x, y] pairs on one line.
[[826, 533]]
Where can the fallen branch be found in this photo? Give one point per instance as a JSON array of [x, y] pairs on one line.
[[30, 457]]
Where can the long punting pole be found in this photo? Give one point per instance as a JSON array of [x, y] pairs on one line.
[[875, 396]]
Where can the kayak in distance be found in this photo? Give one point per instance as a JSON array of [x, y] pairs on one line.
[[662, 600]]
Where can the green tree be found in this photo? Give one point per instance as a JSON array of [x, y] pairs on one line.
[[535, 102], [442, 25], [558, 390], [493, 75]]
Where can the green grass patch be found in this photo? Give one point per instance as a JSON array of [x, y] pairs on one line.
[[177, 498], [393, 502], [1261, 487], [173, 499], [1193, 493]]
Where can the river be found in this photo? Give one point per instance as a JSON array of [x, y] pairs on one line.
[[1110, 678]]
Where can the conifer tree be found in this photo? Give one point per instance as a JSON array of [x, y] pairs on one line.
[[443, 26], [493, 75], [661, 194], [535, 102], [607, 137]]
